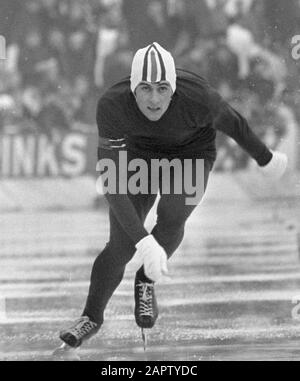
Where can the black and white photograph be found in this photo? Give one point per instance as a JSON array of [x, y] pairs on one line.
[[149, 183]]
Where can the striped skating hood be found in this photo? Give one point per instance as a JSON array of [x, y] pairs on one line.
[[152, 64]]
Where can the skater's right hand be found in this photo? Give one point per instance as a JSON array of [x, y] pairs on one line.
[[154, 258]]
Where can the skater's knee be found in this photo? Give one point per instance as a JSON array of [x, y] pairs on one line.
[[119, 243], [120, 253], [170, 221]]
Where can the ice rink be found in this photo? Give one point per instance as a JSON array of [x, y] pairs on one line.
[[233, 291]]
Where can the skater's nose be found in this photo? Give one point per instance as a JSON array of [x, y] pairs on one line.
[[154, 97]]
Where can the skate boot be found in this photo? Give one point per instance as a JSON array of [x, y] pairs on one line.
[[82, 330], [146, 310]]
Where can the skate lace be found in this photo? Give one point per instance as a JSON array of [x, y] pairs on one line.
[[83, 327], [145, 298]]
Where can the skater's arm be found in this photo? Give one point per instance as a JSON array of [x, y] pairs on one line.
[[226, 119], [233, 124], [121, 205], [110, 142]]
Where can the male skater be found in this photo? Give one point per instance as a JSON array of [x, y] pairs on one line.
[[159, 112]]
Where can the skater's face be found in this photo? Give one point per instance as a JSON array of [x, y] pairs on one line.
[[153, 99]]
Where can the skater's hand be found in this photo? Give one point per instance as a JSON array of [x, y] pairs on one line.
[[276, 167], [154, 258]]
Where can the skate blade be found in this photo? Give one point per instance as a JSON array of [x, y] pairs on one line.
[[66, 353], [144, 337]]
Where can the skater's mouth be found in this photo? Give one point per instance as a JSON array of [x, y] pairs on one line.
[[153, 109]]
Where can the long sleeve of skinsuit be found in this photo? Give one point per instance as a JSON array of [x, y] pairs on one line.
[[120, 204], [233, 124]]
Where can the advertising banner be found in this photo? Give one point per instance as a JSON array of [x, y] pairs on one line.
[[31, 155]]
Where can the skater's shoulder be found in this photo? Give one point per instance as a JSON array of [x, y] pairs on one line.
[[190, 77], [195, 88], [116, 97]]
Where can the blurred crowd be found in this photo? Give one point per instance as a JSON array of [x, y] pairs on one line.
[[62, 54]]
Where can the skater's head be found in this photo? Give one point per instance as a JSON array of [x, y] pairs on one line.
[[153, 80]]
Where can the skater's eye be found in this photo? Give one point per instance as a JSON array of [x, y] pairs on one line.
[[163, 89], [145, 88]]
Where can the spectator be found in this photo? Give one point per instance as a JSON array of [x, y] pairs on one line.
[[108, 36], [70, 50], [117, 64], [31, 54]]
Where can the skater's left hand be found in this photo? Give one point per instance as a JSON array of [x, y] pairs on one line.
[[276, 167]]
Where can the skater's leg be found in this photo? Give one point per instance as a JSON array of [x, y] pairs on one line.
[[107, 273], [109, 266], [108, 270], [172, 214]]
